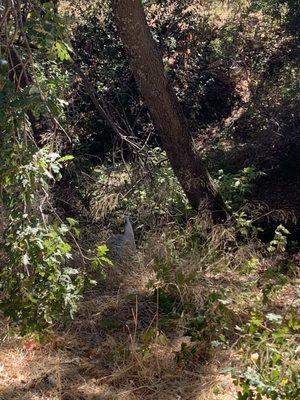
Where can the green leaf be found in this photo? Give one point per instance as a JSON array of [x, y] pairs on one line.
[[67, 157], [72, 221], [62, 51]]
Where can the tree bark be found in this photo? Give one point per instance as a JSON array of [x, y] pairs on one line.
[[165, 110]]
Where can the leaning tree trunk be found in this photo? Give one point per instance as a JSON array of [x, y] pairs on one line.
[[165, 110]]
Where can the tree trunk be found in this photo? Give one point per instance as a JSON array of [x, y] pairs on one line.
[[165, 110], [18, 75]]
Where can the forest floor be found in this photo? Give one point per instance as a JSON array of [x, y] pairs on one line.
[[107, 352], [100, 358]]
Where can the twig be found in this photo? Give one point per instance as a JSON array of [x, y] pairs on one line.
[[104, 111]]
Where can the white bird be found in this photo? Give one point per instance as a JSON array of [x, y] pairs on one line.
[[123, 244]]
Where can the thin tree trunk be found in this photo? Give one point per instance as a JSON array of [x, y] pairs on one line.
[[165, 110], [19, 76]]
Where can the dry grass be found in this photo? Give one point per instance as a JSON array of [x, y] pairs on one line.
[[102, 354], [74, 369]]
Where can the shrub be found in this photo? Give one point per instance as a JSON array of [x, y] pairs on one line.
[[37, 285], [270, 365]]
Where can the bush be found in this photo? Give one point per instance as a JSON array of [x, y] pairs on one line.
[[270, 367], [37, 284]]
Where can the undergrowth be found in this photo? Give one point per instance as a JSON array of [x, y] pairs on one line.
[[225, 298], [220, 289]]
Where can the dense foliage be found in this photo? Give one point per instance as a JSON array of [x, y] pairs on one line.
[[37, 284]]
